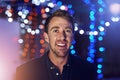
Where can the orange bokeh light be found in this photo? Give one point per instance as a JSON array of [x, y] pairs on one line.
[[24, 54], [42, 50], [27, 45], [42, 11], [26, 1], [30, 17], [32, 50], [42, 41], [25, 49]]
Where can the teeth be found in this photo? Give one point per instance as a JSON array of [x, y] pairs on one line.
[[61, 44]]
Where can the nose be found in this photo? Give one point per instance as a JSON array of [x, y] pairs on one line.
[[62, 35]]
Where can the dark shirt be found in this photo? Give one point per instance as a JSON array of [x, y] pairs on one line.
[[54, 72], [43, 69]]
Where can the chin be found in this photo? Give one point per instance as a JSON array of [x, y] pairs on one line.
[[62, 54]]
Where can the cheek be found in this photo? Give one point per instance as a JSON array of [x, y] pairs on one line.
[[70, 38], [52, 38]]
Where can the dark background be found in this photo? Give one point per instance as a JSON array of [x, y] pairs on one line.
[[111, 64]]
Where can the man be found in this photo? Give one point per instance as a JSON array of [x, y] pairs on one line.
[[57, 63]]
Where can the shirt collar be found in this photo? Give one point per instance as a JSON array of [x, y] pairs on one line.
[[52, 66]]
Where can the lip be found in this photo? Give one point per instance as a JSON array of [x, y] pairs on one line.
[[61, 45]]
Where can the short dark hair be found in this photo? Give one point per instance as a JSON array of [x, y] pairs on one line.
[[59, 13]]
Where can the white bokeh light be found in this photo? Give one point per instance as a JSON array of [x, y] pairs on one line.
[[29, 30], [23, 16], [26, 21], [10, 19], [42, 1], [51, 5], [75, 27], [115, 19], [33, 32], [107, 24], [20, 41], [9, 14], [22, 25], [81, 31], [95, 33], [20, 13], [62, 7], [101, 28], [47, 9], [37, 31], [91, 33]]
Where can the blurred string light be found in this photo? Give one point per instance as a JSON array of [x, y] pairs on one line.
[[81, 31], [115, 10], [96, 33], [37, 2], [9, 13], [115, 19], [100, 37], [75, 27], [29, 31], [115, 14], [91, 47], [107, 24]]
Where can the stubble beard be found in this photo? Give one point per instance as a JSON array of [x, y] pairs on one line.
[[60, 53]]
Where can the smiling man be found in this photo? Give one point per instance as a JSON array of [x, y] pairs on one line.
[[57, 63]]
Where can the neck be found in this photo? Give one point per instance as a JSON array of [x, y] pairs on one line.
[[58, 61]]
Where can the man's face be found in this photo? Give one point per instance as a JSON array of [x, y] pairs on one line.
[[60, 36]]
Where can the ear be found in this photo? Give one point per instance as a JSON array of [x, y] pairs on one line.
[[46, 37]]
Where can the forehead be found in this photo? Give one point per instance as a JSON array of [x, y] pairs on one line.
[[59, 21]]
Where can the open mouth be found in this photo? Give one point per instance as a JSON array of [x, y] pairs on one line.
[[62, 45]]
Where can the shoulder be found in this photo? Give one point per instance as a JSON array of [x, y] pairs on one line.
[[32, 70], [78, 62], [32, 63], [84, 68], [77, 59]]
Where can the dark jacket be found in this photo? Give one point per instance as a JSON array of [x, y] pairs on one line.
[[37, 70]]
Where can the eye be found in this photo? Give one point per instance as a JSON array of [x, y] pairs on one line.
[[69, 30], [55, 30]]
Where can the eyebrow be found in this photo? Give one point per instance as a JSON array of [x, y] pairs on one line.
[[55, 27], [68, 28]]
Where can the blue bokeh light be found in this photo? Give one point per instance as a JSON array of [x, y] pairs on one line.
[[99, 71], [71, 47], [73, 51], [100, 2], [100, 38], [100, 76], [92, 51], [102, 33], [91, 37], [101, 49], [92, 26], [92, 18], [59, 3], [99, 66], [100, 9], [87, 1], [99, 60], [69, 6]]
